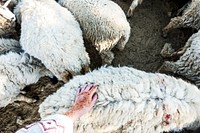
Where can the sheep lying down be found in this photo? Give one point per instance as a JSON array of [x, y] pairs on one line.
[[130, 100], [17, 69]]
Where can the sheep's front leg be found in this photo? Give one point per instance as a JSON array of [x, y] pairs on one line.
[[134, 4], [176, 22], [107, 57], [121, 43]]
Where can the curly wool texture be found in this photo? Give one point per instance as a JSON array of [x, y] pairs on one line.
[[188, 65], [103, 22], [130, 100], [190, 18], [17, 69], [50, 33]]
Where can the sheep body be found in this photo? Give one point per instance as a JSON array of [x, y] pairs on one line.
[[17, 69], [188, 65], [103, 23], [146, 102], [190, 18], [50, 33]]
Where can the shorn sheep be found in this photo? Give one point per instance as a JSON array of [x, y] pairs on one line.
[[50, 33], [131, 101], [190, 18], [7, 20], [17, 69], [188, 65], [103, 23], [134, 4]]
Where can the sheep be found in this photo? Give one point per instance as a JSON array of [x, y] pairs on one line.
[[188, 65], [190, 18], [17, 69], [103, 23], [7, 20], [131, 100], [134, 4], [51, 34]]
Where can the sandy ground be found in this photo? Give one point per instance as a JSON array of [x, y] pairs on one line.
[[142, 52]]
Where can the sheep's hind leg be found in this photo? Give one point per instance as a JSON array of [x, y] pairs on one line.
[[107, 57], [134, 4], [21, 97]]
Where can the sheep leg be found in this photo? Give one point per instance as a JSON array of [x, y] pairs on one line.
[[107, 57], [86, 68], [134, 4], [168, 67], [21, 97], [121, 43], [167, 50], [176, 22], [66, 75]]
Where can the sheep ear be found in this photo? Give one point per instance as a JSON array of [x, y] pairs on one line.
[[7, 3]]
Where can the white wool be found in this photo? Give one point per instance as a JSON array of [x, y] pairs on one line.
[[103, 22], [17, 69], [130, 100], [134, 4], [190, 18], [50, 33], [188, 65]]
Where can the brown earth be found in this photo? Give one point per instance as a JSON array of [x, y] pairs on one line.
[[142, 52]]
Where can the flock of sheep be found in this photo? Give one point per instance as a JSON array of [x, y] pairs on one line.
[[130, 100]]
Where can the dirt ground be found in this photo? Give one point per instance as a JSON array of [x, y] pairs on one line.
[[142, 52]]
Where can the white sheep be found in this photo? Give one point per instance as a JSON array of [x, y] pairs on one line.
[[17, 69], [130, 100], [7, 20], [134, 4], [190, 18], [103, 23], [50, 33], [188, 65]]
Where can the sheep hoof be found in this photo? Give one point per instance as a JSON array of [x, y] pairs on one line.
[[167, 50], [129, 13], [21, 97], [107, 57], [53, 80], [167, 67]]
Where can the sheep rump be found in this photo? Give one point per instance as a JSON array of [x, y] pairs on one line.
[[130, 100], [50, 33]]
